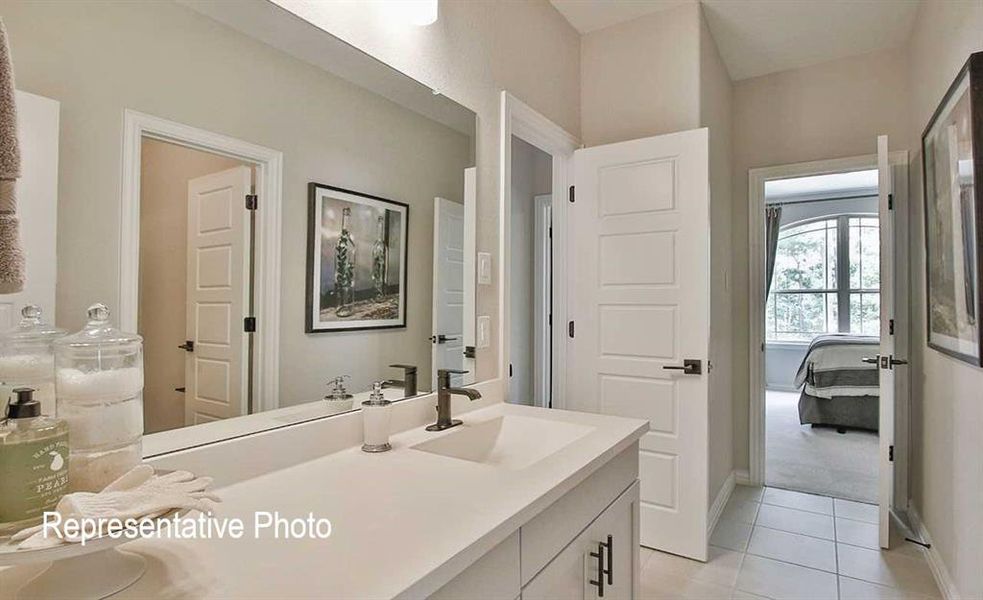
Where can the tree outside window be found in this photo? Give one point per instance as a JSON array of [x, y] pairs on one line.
[[827, 279]]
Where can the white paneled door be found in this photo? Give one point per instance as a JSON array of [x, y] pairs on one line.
[[448, 288], [218, 276], [639, 300], [887, 361]]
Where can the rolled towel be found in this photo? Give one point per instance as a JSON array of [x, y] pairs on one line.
[[9, 149], [11, 252]]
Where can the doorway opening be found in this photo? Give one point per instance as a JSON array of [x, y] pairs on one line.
[[196, 266], [822, 318], [829, 304], [530, 278]]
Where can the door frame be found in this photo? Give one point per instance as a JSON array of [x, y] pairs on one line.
[[542, 298], [268, 168], [521, 121], [756, 301]]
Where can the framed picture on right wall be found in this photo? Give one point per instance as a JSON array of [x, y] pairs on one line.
[[952, 155]]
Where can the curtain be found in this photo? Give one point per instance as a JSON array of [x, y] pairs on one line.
[[773, 218]]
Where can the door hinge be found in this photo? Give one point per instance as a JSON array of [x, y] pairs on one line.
[[570, 329], [510, 369], [249, 324], [890, 326], [551, 232], [890, 453], [890, 201], [252, 201], [573, 195]]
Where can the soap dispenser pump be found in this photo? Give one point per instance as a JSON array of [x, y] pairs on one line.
[[376, 414]]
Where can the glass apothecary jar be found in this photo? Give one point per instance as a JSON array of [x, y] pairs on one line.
[[27, 358], [99, 388]]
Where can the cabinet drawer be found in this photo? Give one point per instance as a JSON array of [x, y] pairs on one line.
[[494, 576], [551, 530], [569, 575]]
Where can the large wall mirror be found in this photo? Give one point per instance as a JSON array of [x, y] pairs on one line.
[[270, 208]]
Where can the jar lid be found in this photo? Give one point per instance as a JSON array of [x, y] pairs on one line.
[[32, 328], [98, 331]]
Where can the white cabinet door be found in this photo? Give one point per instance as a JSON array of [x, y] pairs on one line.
[[217, 288], [601, 563], [639, 298]]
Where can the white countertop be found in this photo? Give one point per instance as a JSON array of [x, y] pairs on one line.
[[404, 522]]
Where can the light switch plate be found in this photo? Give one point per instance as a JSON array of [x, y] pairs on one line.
[[483, 334], [484, 268]]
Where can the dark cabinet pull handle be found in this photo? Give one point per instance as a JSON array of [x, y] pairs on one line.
[[610, 548], [599, 582]]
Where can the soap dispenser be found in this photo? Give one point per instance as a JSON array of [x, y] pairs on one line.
[[33, 462], [376, 414], [338, 397]]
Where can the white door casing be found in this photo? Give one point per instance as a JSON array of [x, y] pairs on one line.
[[217, 296], [887, 349], [448, 289], [37, 207], [639, 299], [542, 299], [470, 234]]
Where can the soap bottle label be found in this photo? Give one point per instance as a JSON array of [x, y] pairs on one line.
[[34, 477]]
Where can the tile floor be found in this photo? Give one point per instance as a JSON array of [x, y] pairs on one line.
[[784, 545]]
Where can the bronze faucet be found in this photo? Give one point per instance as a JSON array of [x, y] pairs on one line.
[[444, 392]]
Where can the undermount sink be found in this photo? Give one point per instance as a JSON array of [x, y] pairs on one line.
[[509, 442]]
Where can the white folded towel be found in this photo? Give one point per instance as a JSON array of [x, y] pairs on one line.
[[138, 494]]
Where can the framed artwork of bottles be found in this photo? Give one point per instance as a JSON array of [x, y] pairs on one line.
[[356, 260]]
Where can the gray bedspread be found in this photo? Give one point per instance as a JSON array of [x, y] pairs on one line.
[[838, 388], [833, 366]]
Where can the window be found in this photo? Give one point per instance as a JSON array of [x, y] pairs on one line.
[[826, 280]]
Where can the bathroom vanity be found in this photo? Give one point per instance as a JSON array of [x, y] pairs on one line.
[[481, 510]]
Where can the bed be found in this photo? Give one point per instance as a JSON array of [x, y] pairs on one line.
[[838, 389]]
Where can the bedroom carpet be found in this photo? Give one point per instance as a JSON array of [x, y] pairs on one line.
[[817, 460]]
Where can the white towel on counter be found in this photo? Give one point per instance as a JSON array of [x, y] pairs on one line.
[[139, 494]]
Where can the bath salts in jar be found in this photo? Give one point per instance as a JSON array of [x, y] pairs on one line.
[[27, 358], [99, 386]]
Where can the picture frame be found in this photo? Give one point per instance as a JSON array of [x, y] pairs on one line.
[[952, 163], [357, 253]]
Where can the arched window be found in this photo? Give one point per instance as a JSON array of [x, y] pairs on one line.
[[827, 279]]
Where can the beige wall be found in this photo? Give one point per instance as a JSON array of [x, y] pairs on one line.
[[164, 174], [947, 395], [473, 52], [95, 58], [831, 110], [642, 77], [716, 108]]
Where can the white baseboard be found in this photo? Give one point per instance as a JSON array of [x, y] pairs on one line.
[[720, 502], [942, 578], [742, 477]]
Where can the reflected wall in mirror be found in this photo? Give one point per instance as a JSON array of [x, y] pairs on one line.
[[232, 110]]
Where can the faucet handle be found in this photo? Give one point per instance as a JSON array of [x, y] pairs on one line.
[[450, 372], [407, 368]]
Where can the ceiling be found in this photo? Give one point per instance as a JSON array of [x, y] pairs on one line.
[[758, 37]]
